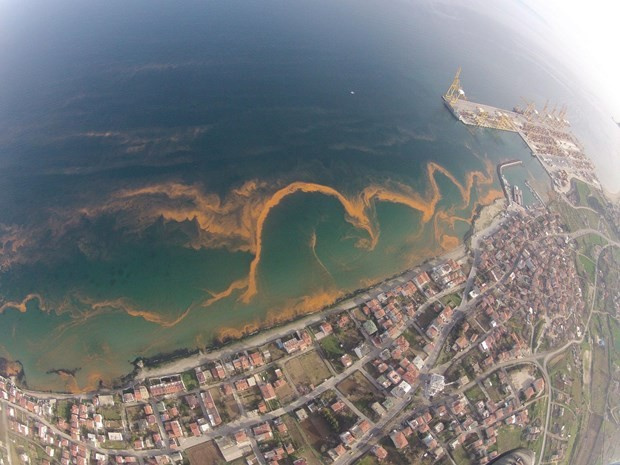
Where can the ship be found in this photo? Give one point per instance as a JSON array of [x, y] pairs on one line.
[[517, 195]]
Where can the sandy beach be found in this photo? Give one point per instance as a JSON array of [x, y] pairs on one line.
[[488, 214]]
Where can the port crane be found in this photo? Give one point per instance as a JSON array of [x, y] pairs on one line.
[[455, 91]]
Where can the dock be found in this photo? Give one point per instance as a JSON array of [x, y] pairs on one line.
[[534, 192], [502, 179], [547, 134]]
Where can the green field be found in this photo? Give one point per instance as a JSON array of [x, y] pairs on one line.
[[475, 394], [190, 380], [454, 300], [588, 267], [508, 438], [331, 345]]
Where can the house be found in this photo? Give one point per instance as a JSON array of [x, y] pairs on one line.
[[379, 452], [539, 385], [301, 414], [432, 331], [263, 432], [268, 392], [399, 439], [242, 385], [360, 428], [337, 406], [378, 409], [347, 438], [242, 439], [218, 371], [529, 393], [326, 328], [257, 359], [336, 452]]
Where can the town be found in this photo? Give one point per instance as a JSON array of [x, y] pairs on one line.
[[454, 362]]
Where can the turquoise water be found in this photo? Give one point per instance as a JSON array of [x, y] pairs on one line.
[[142, 145]]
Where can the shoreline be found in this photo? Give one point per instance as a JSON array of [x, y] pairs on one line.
[[487, 215], [184, 358], [267, 334]]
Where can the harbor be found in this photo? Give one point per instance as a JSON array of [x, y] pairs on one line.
[[504, 182], [546, 133]]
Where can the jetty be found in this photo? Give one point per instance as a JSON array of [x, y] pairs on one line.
[[502, 179]]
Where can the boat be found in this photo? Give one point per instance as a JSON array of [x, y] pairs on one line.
[[517, 195]]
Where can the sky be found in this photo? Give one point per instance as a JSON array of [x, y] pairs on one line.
[[590, 32]]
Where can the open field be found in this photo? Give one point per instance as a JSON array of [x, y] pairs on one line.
[[250, 398], [317, 431], [508, 438], [226, 405], [460, 456], [190, 380], [274, 350], [416, 341], [586, 267], [332, 350], [521, 378], [307, 370], [494, 389], [475, 394], [573, 219], [587, 441], [111, 413], [368, 459], [600, 370], [331, 345], [304, 450], [424, 318], [361, 393], [204, 453], [453, 300], [286, 394]]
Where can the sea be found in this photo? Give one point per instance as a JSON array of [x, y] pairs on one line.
[[179, 174]]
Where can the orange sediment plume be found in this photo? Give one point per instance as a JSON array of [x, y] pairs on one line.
[[235, 286], [23, 305], [72, 386], [357, 209], [491, 196], [355, 214], [154, 317], [449, 242], [316, 257], [237, 222], [98, 308], [290, 310]]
